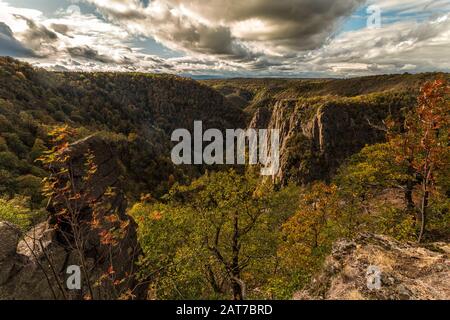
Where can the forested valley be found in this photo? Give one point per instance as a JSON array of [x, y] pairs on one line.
[[88, 154]]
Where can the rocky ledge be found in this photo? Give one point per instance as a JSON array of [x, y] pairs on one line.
[[374, 267]]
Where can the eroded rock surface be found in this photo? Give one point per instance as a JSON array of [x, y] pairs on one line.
[[316, 137], [405, 271]]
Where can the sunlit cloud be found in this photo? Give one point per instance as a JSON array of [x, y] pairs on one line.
[[229, 38]]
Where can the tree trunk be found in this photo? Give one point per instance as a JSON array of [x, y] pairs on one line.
[[237, 290], [409, 197], [212, 280], [235, 270], [423, 215]]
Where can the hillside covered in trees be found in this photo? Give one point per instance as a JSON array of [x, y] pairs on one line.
[[138, 112], [364, 155]]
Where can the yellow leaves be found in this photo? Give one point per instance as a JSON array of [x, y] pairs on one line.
[[61, 134], [309, 227], [103, 278], [143, 213], [16, 211], [92, 170], [117, 282], [114, 234], [90, 164], [132, 137], [74, 197], [110, 192]]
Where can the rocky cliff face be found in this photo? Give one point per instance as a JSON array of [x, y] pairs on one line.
[[34, 266], [319, 134], [380, 268]]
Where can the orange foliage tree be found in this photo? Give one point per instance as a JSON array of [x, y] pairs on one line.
[[309, 233], [423, 147], [70, 200]]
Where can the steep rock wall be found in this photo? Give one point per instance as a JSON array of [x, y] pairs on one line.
[[317, 135]]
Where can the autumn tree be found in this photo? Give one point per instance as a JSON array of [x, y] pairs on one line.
[[308, 234], [423, 148], [81, 215]]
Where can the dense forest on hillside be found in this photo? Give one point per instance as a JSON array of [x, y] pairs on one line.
[[137, 112], [255, 93], [359, 155]]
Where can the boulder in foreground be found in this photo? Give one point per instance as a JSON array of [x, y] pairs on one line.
[[374, 267]]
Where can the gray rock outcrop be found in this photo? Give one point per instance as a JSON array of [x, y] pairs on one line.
[[377, 267]]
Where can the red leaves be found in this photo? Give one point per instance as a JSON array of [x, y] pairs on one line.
[[111, 270], [156, 216], [112, 218], [107, 238], [426, 138]]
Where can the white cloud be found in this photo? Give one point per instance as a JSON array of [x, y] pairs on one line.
[[394, 48], [412, 6], [235, 37], [73, 41]]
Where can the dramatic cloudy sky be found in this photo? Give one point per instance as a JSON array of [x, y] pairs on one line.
[[301, 38]]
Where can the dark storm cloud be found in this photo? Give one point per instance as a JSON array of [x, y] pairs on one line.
[[10, 46], [89, 53], [60, 28], [264, 63], [124, 15], [121, 9], [37, 32], [37, 37], [210, 40], [296, 24], [241, 37], [235, 29]]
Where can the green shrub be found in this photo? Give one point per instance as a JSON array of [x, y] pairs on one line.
[[15, 211]]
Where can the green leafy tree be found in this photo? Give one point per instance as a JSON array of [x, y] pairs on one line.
[[216, 237]]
